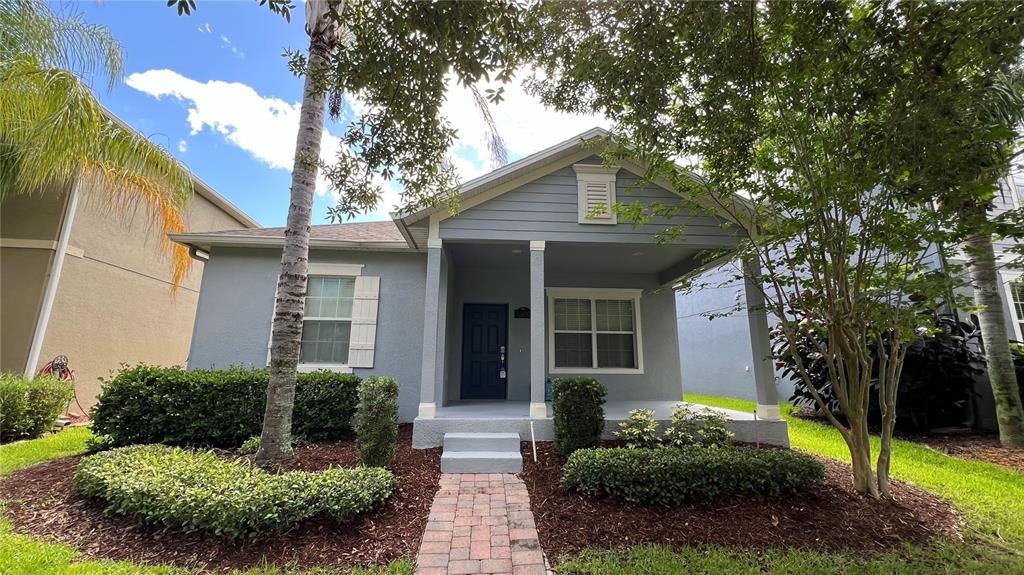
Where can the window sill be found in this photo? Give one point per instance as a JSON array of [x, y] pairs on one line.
[[596, 370], [310, 367]]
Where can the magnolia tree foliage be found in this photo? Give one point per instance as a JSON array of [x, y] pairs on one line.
[[812, 128]]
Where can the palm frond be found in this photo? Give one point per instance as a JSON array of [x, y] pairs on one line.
[[65, 41], [495, 143], [53, 131]]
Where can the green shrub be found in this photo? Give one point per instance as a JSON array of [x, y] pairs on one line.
[[249, 446], [672, 476], [220, 408], [196, 491], [639, 430], [577, 403], [30, 407], [706, 427], [377, 420]]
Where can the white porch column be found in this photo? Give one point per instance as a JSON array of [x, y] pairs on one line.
[[537, 340], [428, 376], [760, 343]]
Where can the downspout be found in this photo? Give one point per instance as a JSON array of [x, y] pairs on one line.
[[53, 280]]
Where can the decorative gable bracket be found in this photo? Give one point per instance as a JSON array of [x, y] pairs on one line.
[[596, 193]]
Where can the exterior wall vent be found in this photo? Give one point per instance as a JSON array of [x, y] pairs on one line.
[[596, 193]]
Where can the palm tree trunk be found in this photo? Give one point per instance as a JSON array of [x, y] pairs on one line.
[[1001, 374], [275, 441]]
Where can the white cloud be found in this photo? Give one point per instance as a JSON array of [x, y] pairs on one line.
[[226, 43], [205, 28], [263, 126], [182, 146], [266, 126]]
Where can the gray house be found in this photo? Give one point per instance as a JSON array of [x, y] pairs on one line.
[[474, 313]]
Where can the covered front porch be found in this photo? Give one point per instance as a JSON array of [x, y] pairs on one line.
[[504, 319]]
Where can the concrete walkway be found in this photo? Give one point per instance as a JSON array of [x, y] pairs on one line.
[[481, 523]]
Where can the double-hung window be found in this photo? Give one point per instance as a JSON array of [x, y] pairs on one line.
[[1014, 285], [327, 324], [339, 327], [594, 331]]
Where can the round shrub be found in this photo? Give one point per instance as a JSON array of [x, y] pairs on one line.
[[197, 491], [639, 430], [672, 476], [377, 420], [30, 407], [218, 408], [577, 403]]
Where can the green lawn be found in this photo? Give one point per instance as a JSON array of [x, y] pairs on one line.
[[24, 555], [20, 455]]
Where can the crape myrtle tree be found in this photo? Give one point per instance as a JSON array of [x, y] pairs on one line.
[[396, 58], [802, 124]]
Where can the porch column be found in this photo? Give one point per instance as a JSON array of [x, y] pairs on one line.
[[760, 343], [537, 346], [428, 374]]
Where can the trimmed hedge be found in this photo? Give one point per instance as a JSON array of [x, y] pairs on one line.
[[377, 421], [219, 408], [672, 476], [197, 491], [577, 403], [30, 407]]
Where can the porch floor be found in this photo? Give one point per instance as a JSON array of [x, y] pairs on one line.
[[514, 416], [613, 410]]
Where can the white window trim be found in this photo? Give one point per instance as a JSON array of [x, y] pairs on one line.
[[595, 174], [329, 270], [593, 294], [1007, 278]]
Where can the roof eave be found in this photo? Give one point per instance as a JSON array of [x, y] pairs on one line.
[[206, 241]]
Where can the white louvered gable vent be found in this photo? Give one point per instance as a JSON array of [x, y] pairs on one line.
[[596, 189]]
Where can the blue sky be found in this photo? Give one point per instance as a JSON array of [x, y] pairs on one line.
[[214, 89]]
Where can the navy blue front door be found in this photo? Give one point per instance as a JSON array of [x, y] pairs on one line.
[[484, 343]]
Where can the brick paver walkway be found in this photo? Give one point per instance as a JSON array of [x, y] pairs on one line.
[[480, 523]]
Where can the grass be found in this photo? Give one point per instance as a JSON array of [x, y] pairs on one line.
[[22, 454], [990, 497], [647, 560], [25, 555]]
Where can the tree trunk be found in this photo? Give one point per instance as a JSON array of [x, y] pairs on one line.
[[1001, 374], [275, 441]]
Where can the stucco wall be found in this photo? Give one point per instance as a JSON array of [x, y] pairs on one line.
[[23, 270], [114, 303], [233, 321]]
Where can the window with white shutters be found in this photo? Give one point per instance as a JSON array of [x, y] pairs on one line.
[[596, 190]]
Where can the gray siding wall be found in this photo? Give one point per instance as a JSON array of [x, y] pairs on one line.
[[546, 209], [715, 354], [237, 298]]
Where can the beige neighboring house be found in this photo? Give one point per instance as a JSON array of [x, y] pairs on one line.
[[107, 298]]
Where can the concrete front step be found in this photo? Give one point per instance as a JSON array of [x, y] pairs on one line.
[[481, 442], [481, 462]]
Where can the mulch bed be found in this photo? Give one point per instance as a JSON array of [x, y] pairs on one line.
[[831, 519], [974, 445], [40, 503]]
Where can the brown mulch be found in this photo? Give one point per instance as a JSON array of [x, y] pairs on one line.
[[39, 501], [832, 518], [974, 445]]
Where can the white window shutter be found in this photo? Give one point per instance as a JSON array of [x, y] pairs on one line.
[[364, 321]]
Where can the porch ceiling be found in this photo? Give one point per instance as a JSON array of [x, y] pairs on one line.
[[667, 261]]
